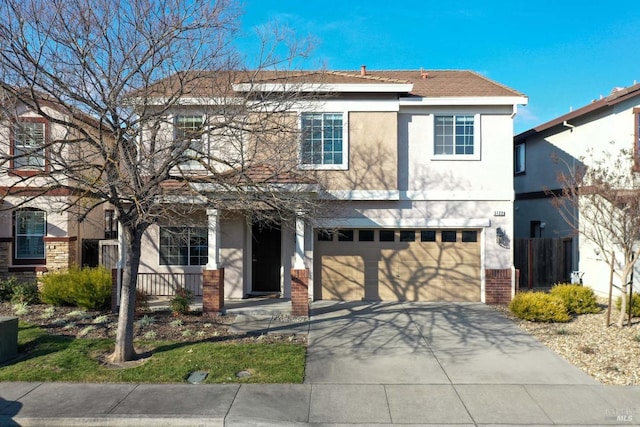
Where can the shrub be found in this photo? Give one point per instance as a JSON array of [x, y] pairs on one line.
[[578, 299], [6, 288], [89, 288], [181, 301], [635, 301], [26, 292], [539, 307], [142, 302]]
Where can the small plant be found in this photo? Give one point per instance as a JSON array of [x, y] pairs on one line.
[[26, 292], [635, 301], [187, 333], [59, 322], [48, 313], [181, 301], [201, 334], [150, 335], [78, 314], [176, 323], [142, 301], [539, 307], [101, 319], [21, 308], [636, 337], [84, 332], [69, 325], [578, 299], [586, 349], [6, 288], [145, 321], [563, 331]]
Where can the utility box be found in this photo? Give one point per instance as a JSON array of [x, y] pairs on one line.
[[8, 338], [576, 277]]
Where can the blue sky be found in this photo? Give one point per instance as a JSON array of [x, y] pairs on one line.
[[561, 54]]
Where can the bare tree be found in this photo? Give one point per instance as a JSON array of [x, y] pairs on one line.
[[601, 202], [112, 72]]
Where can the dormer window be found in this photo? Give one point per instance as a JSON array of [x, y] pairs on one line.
[[188, 134], [28, 144]]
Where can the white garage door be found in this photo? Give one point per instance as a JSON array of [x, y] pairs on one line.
[[398, 265]]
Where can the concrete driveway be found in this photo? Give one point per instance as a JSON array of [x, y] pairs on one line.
[[427, 343]]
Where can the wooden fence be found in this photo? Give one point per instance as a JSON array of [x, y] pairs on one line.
[[542, 262]]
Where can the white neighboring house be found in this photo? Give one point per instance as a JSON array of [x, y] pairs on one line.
[[607, 125], [420, 168]]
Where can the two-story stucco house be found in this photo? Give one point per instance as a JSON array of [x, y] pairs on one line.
[[418, 171], [39, 231], [602, 128]]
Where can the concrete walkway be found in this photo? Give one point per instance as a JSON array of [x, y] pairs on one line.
[[368, 364]]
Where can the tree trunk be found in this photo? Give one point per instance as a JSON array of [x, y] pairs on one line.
[[124, 350]]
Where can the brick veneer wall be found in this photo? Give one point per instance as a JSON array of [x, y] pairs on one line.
[[300, 293], [498, 286], [213, 291], [5, 257], [61, 252]]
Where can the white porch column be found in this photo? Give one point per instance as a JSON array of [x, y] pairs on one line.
[[298, 263], [213, 233]]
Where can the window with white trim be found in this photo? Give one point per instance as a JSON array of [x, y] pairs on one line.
[[519, 159], [183, 246], [188, 134], [454, 135], [322, 140], [29, 232], [29, 139]]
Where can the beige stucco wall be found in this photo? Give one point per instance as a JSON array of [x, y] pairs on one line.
[[373, 147]]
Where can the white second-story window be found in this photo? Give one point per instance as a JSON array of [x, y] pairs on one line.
[[188, 133], [454, 135], [29, 145], [323, 140], [519, 158]]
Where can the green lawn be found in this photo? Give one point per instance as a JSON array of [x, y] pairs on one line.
[[58, 358]]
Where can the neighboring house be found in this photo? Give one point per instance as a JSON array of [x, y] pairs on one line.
[[419, 170], [39, 234], [607, 125]]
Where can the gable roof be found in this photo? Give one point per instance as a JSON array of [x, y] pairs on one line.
[[410, 83], [617, 96]]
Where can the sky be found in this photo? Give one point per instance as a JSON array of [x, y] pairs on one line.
[[561, 54]]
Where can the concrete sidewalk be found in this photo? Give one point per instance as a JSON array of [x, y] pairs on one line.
[[63, 404], [368, 364]]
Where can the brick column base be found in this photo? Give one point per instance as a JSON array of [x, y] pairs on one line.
[[300, 293], [213, 292], [498, 286]]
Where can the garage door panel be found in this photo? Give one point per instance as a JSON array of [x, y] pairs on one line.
[[406, 271], [342, 277]]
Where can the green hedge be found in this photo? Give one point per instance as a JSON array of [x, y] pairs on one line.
[[89, 288], [539, 307], [578, 299], [635, 300], [19, 292]]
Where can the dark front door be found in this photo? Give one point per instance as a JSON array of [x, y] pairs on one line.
[[265, 272]]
